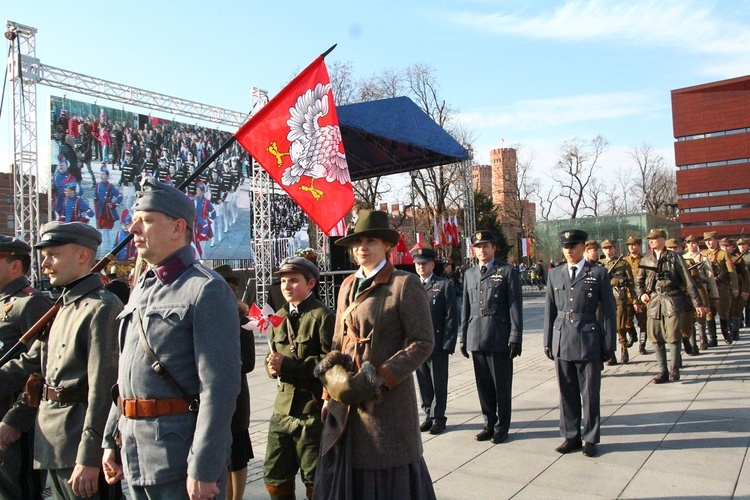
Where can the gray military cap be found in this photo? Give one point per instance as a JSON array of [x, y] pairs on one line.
[[55, 234], [13, 246], [300, 265], [156, 196]]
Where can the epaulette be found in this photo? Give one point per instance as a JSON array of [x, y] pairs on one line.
[[29, 290]]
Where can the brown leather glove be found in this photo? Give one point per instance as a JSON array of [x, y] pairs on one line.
[[351, 388]]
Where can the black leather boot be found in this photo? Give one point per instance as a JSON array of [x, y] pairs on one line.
[[711, 333], [724, 323]]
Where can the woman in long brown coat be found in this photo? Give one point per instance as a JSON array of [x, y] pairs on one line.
[[371, 445]]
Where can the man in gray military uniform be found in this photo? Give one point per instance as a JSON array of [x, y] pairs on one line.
[[577, 341], [175, 424], [20, 307], [432, 375], [77, 360], [492, 329]]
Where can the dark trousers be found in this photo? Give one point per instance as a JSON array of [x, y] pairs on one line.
[[579, 383], [432, 377], [493, 372]]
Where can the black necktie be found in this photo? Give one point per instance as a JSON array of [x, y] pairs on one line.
[[573, 270], [483, 269]]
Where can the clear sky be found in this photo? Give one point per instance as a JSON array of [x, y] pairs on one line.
[[532, 73]]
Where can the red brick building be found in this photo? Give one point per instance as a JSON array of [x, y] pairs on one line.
[[712, 151]]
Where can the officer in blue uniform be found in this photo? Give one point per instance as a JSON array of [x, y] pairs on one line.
[[175, 429], [491, 329], [20, 307], [576, 340], [432, 375]]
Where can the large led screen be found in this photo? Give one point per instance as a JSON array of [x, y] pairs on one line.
[[99, 156]]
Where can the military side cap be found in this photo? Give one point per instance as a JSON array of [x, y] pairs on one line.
[[692, 239], [572, 237], [742, 241], [300, 265], [592, 244], [55, 234], [371, 224], [483, 237], [226, 272], [156, 196], [422, 255], [607, 243], [12, 246], [726, 242], [634, 240], [672, 243], [708, 235], [656, 233]]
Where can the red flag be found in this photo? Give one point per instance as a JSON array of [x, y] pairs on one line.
[[435, 233], [401, 254], [297, 140], [456, 237]]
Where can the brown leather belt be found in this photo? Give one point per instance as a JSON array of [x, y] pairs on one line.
[[64, 395], [151, 408]]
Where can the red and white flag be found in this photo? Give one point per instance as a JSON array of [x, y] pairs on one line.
[[418, 244], [447, 234], [435, 233], [297, 140], [454, 226], [401, 254], [261, 319]]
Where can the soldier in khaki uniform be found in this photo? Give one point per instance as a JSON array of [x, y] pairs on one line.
[[20, 307], [623, 287], [726, 280], [687, 318], [297, 345], [704, 279], [659, 283], [635, 307], [77, 360], [591, 253], [743, 283], [743, 246]]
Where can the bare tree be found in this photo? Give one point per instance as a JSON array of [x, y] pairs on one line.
[[595, 193], [575, 169], [546, 202], [655, 182]]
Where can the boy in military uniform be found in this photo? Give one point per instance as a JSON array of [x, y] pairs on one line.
[[297, 345], [726, 281], [635, 308], [20, 307], [623, 287], [659, 282], [78, 363], [704, 279], [492, 330], [432, 375]]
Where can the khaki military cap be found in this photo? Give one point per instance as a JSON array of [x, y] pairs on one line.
[[726, 242], [656, 233], [708, 235], [693, 239], [592, 244], [634, 240], [672, 243], [742, 241], [608, 243]]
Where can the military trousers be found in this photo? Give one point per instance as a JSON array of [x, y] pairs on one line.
[[432, 378], [293, 444], [665, 330], [639, 316], [725, 301], [622, 322], [493, 373], [580, 384], [18, 479]]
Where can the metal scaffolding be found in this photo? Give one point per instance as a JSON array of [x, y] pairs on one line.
[[470, 223], [24, 72]]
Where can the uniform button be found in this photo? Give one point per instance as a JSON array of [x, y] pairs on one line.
[[571, 299], [59, 356], [62, 345]]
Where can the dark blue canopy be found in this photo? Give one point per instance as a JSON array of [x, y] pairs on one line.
[[391, 136]]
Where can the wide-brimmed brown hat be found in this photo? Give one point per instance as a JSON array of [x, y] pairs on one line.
[[371, 224]]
